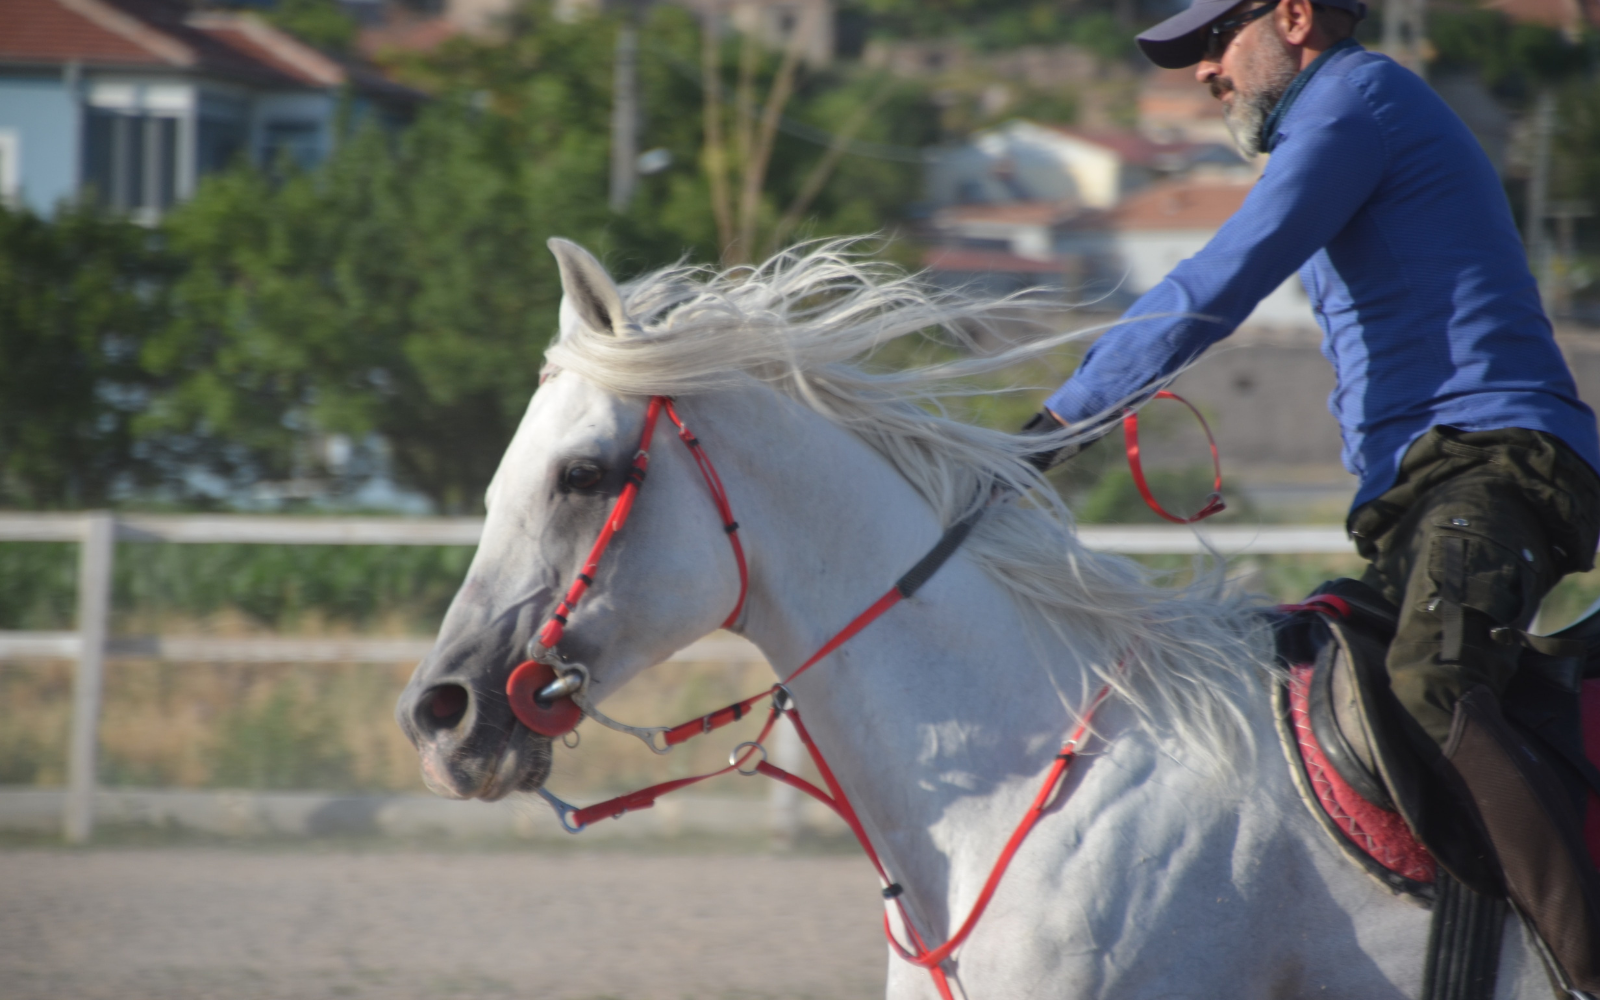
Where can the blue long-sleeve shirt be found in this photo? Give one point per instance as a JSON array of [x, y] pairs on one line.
[[1406, 247]]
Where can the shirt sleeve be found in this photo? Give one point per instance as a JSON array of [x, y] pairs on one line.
[[1328, 162]]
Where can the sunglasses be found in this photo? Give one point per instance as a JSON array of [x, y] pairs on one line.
[[1221, 34]]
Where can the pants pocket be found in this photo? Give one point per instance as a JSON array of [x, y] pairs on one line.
[[1472, 571]]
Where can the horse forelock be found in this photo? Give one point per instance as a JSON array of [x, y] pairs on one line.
[[806, 323]]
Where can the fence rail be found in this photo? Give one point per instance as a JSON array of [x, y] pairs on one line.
[[98, 532]]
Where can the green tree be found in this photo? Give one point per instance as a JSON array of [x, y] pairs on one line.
[[322, 23], [401, 289], [1512, 58], [79, 296]]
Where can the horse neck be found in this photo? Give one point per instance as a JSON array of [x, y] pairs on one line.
[[938, 717]]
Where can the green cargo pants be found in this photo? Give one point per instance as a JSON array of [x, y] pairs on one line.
[[1475, 531]]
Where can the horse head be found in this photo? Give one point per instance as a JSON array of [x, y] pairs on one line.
[[568, 462]]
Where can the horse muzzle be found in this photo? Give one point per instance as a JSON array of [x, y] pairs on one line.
[[469, 742]]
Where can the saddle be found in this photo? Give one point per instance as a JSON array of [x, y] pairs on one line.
[[1438, 827]]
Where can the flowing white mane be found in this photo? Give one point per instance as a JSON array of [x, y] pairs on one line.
[[804, 322]]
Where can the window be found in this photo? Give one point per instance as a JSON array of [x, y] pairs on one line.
[[10, 168], [219, 142], [300, 141], [131, 161]]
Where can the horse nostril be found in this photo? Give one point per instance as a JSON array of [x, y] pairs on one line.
[[443, 707]]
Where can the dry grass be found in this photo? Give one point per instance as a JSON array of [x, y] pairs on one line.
[[302, 726]]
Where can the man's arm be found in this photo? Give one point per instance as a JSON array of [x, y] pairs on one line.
[[1327, 165]]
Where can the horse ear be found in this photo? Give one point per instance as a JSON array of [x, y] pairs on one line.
[[588, 291]]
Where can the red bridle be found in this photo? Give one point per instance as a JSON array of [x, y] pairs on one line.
[[555, 717], [559, 716]]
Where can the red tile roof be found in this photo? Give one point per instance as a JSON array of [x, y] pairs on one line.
[[263, 44], [49, 31], [1038, 213], [423, 35], [1174, 94], [1131, 146], [1179, 205], [1569, 15], [170, 33], [977, 261]]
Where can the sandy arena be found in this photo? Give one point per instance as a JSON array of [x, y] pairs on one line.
[[306, 924]]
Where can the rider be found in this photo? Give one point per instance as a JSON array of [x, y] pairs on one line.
[[1476, 458]]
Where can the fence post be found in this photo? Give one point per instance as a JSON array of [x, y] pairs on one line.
[[783, 802], [95, 555]]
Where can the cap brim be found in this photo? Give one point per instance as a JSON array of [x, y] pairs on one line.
[[1180, 40]]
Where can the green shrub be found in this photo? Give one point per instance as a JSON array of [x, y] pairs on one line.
[[286, 742]]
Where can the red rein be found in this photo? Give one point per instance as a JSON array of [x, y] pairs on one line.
[[562, 715], [1130, 433]]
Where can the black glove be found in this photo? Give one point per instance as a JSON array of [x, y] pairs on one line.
[[1044, 422]]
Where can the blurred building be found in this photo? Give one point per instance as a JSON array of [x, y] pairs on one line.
[[1106, 257], [1024, 161], [131, 102], [1174, 107], [1004, 248]]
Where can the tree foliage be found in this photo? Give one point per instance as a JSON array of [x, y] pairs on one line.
[[400, 293], [1512, 58], [79, 296], [322, 23], [402, 290]]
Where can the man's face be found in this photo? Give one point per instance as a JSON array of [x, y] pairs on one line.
[[1249, 73]]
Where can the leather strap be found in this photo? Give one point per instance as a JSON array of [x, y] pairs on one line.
[[1463, 958]]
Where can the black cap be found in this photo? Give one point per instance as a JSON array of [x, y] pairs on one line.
[[1180, 40]]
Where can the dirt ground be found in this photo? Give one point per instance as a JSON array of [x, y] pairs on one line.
[[185, 923]]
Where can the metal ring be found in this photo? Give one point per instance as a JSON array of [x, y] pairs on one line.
[[733, 758], [782, 698], [570, 739]]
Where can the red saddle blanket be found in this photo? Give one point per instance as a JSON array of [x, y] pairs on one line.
[[1381, 833]]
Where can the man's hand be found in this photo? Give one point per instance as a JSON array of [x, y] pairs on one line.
[[1045, 422]]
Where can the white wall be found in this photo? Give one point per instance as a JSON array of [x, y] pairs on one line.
[[1048, 165], [1141, 258], [42, 118]]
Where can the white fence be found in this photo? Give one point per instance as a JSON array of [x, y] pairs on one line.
[[98, 532]]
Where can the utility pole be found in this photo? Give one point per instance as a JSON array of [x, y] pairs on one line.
[[625, 110], [1565, 215], [1536, 238], [1405, 33]]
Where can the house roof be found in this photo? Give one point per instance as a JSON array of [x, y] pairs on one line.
[[1174, 93], [1131, 146], [157, 34], [1021, 213], [1190, 204], [1568, 15], [418, 35], [969, 260]]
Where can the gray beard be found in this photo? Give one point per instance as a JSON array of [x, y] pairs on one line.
[[1249, 110]]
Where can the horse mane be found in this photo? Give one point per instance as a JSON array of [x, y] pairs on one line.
[[806, 323]]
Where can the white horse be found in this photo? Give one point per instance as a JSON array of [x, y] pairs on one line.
[[1178, 861]]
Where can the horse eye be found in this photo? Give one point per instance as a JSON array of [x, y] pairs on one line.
[[582, 475]]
